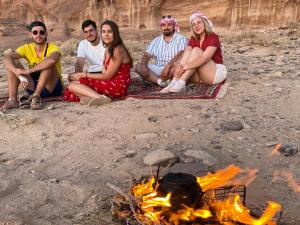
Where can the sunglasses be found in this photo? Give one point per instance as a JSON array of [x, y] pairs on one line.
[[168, 16], [36, 32]]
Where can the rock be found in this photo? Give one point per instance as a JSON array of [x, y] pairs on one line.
[[159, 157], [53, 181], [195, 130], [152, 119], [232, 126], [130, 153], [242, 50], [288, 150], [51, 107], [206, 158], [146, 136], [277, 74]]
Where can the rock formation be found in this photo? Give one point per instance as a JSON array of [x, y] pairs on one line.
[[66, 15]]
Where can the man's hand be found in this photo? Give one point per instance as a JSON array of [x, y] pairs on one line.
[[145, 70], [24, 81], [19, 72], [77, 76], [165, 72], [178, 71]]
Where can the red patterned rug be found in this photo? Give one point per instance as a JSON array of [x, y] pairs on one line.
[[144, 90]]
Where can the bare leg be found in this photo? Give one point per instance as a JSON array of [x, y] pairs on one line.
[[13, 81], [48, 79], [150, 77], [186, 55], [82, 90], [205, 73]]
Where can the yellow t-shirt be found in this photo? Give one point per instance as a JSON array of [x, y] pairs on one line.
[[28, 52]]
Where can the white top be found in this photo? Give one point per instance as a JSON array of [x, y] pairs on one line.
[[93, 54], [164, 51]]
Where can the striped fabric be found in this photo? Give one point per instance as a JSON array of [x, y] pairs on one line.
[[164, 51]]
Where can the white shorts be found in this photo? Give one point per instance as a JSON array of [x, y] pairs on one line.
[[156, 69], [221, 73]]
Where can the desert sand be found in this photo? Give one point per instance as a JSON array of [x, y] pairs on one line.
[[55, 163]]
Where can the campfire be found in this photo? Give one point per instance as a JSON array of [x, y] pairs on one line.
[[181, 198]]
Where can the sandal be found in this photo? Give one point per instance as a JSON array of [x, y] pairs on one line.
[[10, 104], [85, 100], [101, 100], [36, 102], [24, 102]]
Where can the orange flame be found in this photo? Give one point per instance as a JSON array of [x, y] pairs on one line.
[[219, 179], [141, 190], [157, 209], [189, 214], [290, 179], [233, 210]]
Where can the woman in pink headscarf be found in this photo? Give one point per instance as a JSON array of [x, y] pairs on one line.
[[202, 60]]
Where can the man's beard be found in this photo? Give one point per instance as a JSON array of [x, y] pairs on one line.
[[40, 43], [94, 40], [168, 33]]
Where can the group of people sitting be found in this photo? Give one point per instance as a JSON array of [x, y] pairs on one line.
[[177, 61]]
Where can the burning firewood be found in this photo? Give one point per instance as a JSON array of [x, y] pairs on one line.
[[178, 198]]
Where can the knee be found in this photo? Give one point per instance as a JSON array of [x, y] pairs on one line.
[[197, 51], [188, 49]]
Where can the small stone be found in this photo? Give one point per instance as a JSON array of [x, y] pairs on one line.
[[207, 158], [241, 50], [152, 119], [267, 85], [188, 116], [53, 181], [246, 126], [278, 90], [51, 107], [232, 126], [288, 150], [130, 153], [271, 144], [195, 130], [234, 156], [146, 136], [277, 74], [159, 157]]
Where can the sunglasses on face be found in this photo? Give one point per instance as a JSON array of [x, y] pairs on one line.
[[36, 32], [168, 16]]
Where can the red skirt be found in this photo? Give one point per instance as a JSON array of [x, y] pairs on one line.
[[114, 88]]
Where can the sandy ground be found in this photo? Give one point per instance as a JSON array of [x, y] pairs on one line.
[[54, 164]]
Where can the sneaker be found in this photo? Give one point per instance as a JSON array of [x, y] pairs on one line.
[[179, 86], [167, 89], [162, 83]]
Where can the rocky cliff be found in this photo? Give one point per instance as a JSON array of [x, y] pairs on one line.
[[66, 15]]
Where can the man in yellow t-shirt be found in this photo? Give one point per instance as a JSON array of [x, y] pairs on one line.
[[43, 78]]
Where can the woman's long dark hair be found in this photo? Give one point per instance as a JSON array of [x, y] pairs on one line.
[[116, 39]]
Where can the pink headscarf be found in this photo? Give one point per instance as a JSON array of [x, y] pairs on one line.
[[171, 20], [203, 16]]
